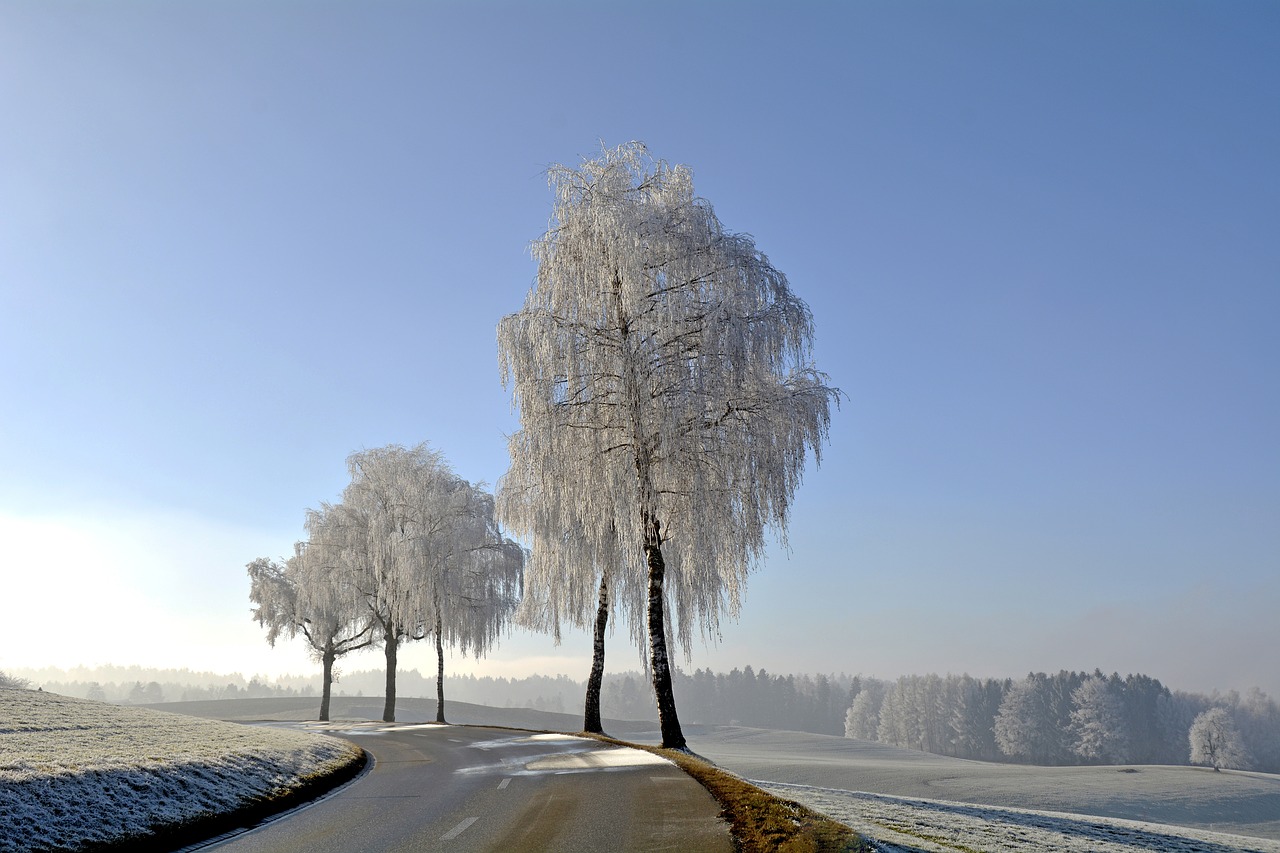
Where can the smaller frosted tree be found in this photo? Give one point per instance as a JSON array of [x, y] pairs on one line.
[[393, 530], [1216, 743], [421, 547], [306, 596], [474, 584]]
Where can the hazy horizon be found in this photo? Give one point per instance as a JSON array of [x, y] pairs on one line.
[[243, 241]]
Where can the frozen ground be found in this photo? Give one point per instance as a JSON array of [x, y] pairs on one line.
[[932, 803], [936, 826], [75, 772], [924, 802]]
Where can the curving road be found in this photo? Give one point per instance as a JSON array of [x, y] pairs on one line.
[[464, 788]]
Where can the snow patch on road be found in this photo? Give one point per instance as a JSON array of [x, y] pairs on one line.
[[570, 754], [596, 759]]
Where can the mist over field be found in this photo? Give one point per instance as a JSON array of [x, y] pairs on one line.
[[1065, 718]]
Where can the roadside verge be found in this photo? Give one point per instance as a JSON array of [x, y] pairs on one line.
[[206, 829], [759, 822]]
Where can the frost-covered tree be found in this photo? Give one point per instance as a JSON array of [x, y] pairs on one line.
[[863, 717], [1098, 720], [666, 364], [972, 720], [1152, 731], [386, 525], [423, 549], [564, 569], [475, 583], [311, 597], [1215, 741], [1025, 726]]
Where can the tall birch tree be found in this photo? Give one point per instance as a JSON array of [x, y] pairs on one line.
[[667, 364]]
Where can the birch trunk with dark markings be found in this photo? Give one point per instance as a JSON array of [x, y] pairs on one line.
[[659, 661], [591, 717], [391, 642], [327, 690], [439, 667]]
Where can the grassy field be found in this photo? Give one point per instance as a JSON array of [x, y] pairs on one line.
[[75, 773]]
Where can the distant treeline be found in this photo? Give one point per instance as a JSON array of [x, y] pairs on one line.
[[1062, 719], [741, 697], [156, 692]]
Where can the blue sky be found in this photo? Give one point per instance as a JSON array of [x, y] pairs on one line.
[[239, 241]]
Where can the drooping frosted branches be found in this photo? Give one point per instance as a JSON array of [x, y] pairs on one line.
[[642, 297], [415, 550], [430, 546], [425, 552], [662, 372], [307, 596]]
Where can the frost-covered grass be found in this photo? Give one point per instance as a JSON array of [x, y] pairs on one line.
[[77, 774], [923, 802], [937, 826], [1239, 803]]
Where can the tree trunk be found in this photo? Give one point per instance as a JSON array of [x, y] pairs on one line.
[[672, 737], [329, 657], [389, 706], [439, 670], [668, 721], [591, 721]]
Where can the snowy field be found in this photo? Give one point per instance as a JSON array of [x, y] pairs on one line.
[[902, 825], [75, 772], [923, 802], [932, 803]]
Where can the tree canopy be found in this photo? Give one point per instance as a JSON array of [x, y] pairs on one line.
[[412, 549], [661, 368], [305, 596]]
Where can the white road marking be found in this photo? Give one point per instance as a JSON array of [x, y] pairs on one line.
[[504, 783], [459, 829]]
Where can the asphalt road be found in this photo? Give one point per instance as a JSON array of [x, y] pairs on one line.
[[464, 788]]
